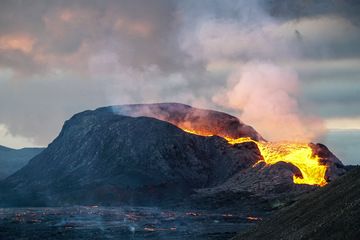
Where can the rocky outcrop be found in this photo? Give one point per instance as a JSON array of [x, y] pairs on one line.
[[335, 167], [332, 212]]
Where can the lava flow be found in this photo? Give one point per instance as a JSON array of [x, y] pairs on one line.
[[297, 154]]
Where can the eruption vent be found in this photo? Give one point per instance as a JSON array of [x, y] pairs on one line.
[[316, 163], [299, 154], [266, 96]]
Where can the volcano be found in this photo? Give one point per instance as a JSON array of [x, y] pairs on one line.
[[158, 154]]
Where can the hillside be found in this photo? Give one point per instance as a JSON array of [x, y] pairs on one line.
[[331, 213], [12, 160]]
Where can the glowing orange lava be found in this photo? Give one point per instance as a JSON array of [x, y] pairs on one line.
[[297, 154]]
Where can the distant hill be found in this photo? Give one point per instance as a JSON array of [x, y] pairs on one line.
[[12, 160], [331, 213], [3, 148]]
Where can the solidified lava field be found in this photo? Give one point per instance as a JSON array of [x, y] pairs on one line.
[[119, 223]]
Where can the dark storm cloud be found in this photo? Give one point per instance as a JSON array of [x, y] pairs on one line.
[[325, 47], [143, 32], [67, 56], [296, 9]]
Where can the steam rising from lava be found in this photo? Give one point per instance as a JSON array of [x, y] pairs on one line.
[[251, 51], [209, 123], [266, 95]]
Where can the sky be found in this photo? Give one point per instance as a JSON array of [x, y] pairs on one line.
[[291, 69]]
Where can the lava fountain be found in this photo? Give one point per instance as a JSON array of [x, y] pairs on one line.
[[298, 154]]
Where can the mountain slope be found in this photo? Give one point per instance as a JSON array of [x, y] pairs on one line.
[[102, 157], [332, 212], [12, 160]]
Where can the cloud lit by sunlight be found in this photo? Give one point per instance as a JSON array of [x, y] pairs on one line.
[[343, 123], [13, 141]]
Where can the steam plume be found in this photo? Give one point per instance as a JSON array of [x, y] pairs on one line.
[[251, 51], [266, 95]]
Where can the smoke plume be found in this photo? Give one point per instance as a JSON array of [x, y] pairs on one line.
[[267, 94], [249, 51]]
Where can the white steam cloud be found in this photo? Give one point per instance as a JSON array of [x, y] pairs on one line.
[[266, 95], [250, 51]]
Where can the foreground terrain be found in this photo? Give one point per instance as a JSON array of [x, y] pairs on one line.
[[332, 212], [119, 223]]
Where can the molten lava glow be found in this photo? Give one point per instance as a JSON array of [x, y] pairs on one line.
[[298, 154], [205, 134]]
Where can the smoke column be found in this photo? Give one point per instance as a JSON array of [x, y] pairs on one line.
[[250, 50], [266, 95]]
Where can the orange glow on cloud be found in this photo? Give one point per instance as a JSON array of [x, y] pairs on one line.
[[138, 28], [19, 42], [66, 15]]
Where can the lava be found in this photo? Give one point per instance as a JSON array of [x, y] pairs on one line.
[[297, 154], [250, 218]]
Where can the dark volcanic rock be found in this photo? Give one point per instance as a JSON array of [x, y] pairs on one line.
[[266, 187], [335, 168], [106, 158], [332, 212]]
